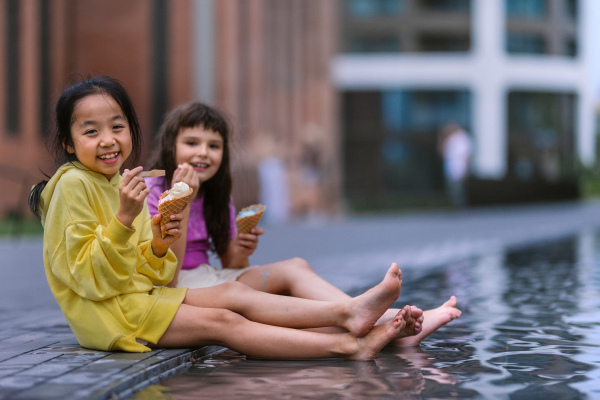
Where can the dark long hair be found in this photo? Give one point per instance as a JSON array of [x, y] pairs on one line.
[[62, 138], [217, 190]]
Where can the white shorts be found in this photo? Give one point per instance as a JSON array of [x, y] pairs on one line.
[[206, 276]]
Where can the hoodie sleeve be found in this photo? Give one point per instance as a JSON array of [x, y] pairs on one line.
[[99, 260], [91, 252]]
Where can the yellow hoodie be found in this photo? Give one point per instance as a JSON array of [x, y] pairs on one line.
[[102, 273]]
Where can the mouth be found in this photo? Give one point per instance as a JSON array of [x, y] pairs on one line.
[[109, 157], [199, 165]]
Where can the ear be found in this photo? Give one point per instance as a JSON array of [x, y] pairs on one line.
[[69, 148]]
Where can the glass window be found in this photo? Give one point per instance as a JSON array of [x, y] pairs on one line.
[[541, 135], [390, 144], [374, 44], [523, 43], [571, 9], [371, 8], [447, 5], [534, 9], [571, 48], [443, 43]]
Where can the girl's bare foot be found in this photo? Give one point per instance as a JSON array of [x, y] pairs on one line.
[[433, 320], [378, 337], [414, 322], [365, 310]]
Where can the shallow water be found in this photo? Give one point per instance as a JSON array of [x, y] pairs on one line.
[[530, 329]]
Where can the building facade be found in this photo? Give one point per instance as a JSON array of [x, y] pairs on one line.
[[349, 94], [265, 63], [49, 44], [515, 73]]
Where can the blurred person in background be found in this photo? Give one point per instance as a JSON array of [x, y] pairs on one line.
[[274, 186], [456, 149], [309, 202]]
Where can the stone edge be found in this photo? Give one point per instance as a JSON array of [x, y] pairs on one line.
[[129, 385]]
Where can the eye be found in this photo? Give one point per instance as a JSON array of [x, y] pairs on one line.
[[215, 146], [190, 143], [90, 132], [118, 127]]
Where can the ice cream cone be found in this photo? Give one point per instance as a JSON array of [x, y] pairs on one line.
[[246, 224], [172, 206]]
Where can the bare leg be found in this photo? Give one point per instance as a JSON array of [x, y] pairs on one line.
[[195, 326], [433, 320], [356, 315], [295, 277], [292, 277]]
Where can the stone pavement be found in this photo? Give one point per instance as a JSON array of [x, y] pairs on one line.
[[40, 358]]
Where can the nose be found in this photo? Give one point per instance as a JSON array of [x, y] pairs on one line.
[[203, 150], [107, 139]]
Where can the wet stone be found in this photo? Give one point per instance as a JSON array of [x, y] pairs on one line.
[[49, 369], [83, 377], [105, 365], [130, 356], [49, 391], [9, 370], [20, 382], [76, 359], [28, 359]]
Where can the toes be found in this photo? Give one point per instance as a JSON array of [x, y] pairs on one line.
[[416, 311], [400, 316], [451, 302]]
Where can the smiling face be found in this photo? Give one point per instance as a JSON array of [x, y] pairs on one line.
[[202, 149], [100, 133]]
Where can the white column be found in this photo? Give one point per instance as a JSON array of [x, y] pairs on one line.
[[204, 54], [489, 97], [588, 54]]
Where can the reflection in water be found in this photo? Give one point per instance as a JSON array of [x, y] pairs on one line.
[[529, 329]]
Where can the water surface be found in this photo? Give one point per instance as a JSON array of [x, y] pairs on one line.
[[530, 330]]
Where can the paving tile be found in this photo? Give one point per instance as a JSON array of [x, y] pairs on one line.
[[48, 370], [10, 370], [29, 359], [20, 382], [50, 391], [24, 347], [87, 378], [7, 393]]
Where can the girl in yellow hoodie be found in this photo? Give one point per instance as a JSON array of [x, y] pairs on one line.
[[106, 260]]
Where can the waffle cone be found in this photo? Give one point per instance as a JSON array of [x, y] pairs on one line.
[[170, 207], [246, 224]]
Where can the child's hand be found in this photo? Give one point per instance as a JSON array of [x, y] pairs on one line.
[[132, 193], [173, 231], [186, 173], [246, 243]]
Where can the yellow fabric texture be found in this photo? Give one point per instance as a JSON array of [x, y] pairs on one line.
[[102, 273]]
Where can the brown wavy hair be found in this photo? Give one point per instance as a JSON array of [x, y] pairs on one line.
[[217, 190]]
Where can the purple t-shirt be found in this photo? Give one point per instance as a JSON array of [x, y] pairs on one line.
[[198, 244]]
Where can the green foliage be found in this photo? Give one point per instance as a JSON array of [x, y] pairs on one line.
[[589, 181], [13, 225]]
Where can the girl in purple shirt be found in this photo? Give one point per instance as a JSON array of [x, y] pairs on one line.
[[193, 147]]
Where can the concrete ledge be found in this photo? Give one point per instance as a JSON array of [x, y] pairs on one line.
[[130, 384]]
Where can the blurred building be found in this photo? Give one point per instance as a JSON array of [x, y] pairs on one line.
[[515, 73], [264, 62], [48, 44], [366, 85]]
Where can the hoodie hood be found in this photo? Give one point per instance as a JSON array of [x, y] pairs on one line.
[[48, 191]]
